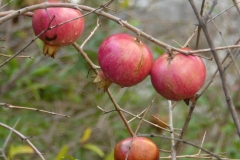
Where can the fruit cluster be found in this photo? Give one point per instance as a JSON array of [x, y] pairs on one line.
[[125, 61]]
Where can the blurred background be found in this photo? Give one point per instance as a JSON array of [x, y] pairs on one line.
[[65, 85]]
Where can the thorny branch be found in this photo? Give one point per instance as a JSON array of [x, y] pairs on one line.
[[99, 11], [26, 11], [229, 101]]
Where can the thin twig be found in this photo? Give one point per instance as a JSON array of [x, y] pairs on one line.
[[4, 55], [32, 109], [155, 125], [229, 51], [109, 16], [7, 140], [80, 48], [120, 112], [220, 68], [190, 112], [141, 120], [139, 124], [137, 115], [199, 152], [23, 138], [236, 5], [170, 111], [215, 73], [199, 27], [182, 141], [94, 67], [21, 50]]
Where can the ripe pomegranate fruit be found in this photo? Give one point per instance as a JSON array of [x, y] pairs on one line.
[[62, 35], [137, 148], [179, 76], [124, 59]]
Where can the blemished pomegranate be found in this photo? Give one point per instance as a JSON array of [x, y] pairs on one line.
[[62, 35], [124, 59], [137, 148], [179, 77]]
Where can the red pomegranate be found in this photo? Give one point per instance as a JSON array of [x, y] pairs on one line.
[[124, 59], [137, 148], [178, 77], [62, 35]]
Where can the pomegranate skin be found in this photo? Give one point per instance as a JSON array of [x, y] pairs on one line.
[[62, 35], [124, 59], [141, 149], [178, 78]]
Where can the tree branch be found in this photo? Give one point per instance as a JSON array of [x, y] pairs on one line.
[[220, 68]]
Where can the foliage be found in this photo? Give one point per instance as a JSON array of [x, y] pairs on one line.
[[65, 85]]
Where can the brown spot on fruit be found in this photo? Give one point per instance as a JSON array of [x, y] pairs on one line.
[[51, 38]]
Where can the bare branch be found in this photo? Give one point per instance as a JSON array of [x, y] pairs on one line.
[[23, 138], [182, 141], [220, 68], [170, 110], [33, 109]]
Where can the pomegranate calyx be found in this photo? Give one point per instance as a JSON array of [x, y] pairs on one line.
[[103, 81], [50, 50]]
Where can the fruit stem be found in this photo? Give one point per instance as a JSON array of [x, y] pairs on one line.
[[138, 39], [170, 53]]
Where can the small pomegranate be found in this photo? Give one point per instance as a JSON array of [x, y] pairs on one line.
[[137, 148], [62, 35], [124, 59], [179, 76]]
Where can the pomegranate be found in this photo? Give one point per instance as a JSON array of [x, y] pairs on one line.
[[124, 59], [137, 148], [178, 77], [62, 35]]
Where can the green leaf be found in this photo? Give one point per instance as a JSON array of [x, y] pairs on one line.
[[62, 152], [68, 158], [22, 149], [110, 156], [94, 148], [125, 3], [86, 135]]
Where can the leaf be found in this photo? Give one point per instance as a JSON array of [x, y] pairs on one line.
[[110, 156], [68, 158], [62, 152], [22, 149], [94, 148], [86, 135]]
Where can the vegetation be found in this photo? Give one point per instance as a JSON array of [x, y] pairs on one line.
[[64, 85]]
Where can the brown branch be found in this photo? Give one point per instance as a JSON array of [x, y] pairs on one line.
[[202, 23], [24, 138], [94, 67], [5, 13], [188, 118], [199, 27], [182, 141], [146, 111], [4, 55], [118, 109], [32, 109], [236, 5], [119, 21], [215, 73]]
